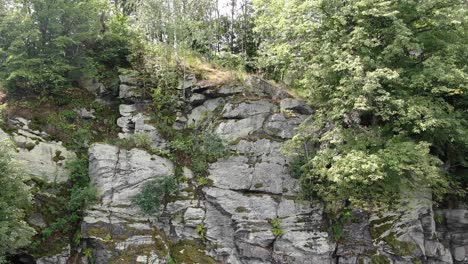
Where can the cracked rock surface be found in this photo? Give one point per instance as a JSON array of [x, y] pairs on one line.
[[250, 212]]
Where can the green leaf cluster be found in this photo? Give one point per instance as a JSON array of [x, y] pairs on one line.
[[155, 193], [389, 80], [78, 196], [47, 46], [197, 150], [15, 198]]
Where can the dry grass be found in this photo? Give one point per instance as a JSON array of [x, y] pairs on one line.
[[207, 72]]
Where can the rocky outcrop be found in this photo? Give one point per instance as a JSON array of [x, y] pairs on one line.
[[114, 230], [412, 234], [134, 123], [43, 158], [61, 258], [249, 210], [451, 230]]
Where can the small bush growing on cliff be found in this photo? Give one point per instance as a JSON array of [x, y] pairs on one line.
[[154, 194], [14, 199], [140, 140], [197, 150], [276, 227], [77, 198]]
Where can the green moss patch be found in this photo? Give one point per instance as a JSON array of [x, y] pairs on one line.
[[190, 251], [379, 259], [242, 209]]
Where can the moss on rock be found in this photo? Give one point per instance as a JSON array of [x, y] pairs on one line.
[[190, 251], [379, 259]]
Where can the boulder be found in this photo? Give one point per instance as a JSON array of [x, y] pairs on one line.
[[280, 126], [247, 109], [197, 99], [43, 159], [130, 78], [127, 110], [250, 215], [263, 87], [261, 168], [232, 129], [203, 112], [295, 105], [129, 92]]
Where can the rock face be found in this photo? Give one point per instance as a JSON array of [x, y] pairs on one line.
[[42, 158], [452, 226], [61, 258], [249, 211], [114, 230]]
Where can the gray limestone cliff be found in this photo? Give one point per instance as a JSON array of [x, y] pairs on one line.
[[250, 211]]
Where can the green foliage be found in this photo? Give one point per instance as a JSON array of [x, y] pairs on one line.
[[110, 49], [170, 260], [155, 193], [89, 255], [15, 198], [155, 64], [164, 103], [336, 229], [201, 231], [76, 199], [157, 70], [139, 140], [172, 23], [197, 150], [296, 166], [379, 259], [51, 49], [276, 227], [390, 83], [113, 46], [44, 48], [190, 251], [204, 181]]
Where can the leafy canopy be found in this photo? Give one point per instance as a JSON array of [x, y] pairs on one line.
[[46, 46], [390, 82]]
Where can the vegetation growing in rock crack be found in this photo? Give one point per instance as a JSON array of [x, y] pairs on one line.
[[155, 193], [276, 227], [197, 150], [79, 195]]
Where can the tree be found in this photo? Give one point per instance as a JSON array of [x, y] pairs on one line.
[[14, 199], [44, 43], [390, 82], [178, 22]]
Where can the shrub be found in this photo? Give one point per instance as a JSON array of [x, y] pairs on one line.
[[76, 199], [201, 231], [154, 194], [197, 150], [139, 140], [14, 199], [276, 227]]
